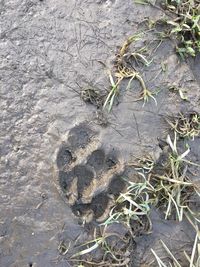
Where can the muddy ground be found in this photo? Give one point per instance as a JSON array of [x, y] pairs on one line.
[[49, 50]]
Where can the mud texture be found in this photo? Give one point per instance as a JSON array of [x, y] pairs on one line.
[[88, 177], [49, 50]]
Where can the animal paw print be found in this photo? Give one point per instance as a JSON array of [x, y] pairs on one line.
[[89, 178]]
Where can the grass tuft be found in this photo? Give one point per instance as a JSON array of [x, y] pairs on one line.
[[186, 126], [124, 71], [112, 248], [185, 26], [132, 207]]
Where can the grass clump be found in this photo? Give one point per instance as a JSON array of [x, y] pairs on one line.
[[133, 207], [181, 92], [124, 70], [185, 26], [182, 23], [186, 126], [111, 248], [172, 186], [114, 90]]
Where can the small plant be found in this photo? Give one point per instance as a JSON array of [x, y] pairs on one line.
[[92, 96], [127, 73], [185, 26], [112, 254], [124, 70], [132, 207], [180, 91], [186, 126], [113, 92], [172, 186]]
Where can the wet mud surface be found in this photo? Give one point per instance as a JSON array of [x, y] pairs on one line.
[[87, 175], [50, 139]]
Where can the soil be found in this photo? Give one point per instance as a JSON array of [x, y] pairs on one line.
[[51, 140]]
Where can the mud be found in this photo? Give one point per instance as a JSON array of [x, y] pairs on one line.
[[49, 50], [93, 194]]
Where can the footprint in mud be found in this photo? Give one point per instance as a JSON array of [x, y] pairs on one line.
[[89, 178]]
